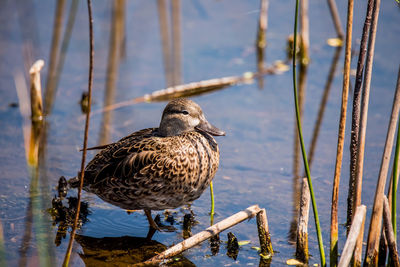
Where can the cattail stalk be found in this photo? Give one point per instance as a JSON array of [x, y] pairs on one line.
[[341, 135]]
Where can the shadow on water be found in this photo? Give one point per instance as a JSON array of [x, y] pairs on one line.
[[122, 251]]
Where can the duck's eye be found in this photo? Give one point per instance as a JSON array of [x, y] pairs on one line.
[[185, 112]]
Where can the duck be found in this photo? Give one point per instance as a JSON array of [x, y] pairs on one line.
[[157, 168]]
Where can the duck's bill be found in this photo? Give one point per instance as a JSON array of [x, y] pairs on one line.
[[210, 129]]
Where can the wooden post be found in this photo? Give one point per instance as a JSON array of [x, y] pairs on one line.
[[358, 222]]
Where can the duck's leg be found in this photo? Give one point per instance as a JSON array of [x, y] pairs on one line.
[[151, 221]]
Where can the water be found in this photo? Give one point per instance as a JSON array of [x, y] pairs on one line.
[[217, 40]]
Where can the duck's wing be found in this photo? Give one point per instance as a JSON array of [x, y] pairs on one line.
[[135, 134], [113, 154]]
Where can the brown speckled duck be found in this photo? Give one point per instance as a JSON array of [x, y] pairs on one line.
[[157, 168]]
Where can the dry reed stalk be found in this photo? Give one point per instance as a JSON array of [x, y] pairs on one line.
[[82, 172], [53, 58], [176, 40], [263, 233], [165, 40], [352, 203], [209, 232], [375, 225], [302, 253], [336, 18], [341, 135], [389, 233], [383, 242], [355, 229], [363, 123]]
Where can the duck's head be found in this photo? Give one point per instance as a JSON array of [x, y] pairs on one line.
[[184, 115]]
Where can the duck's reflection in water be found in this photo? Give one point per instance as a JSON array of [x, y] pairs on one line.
[[106, 251], [122, 251]]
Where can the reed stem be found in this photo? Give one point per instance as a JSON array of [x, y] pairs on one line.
[[314, 204], [396, 169], [341, 135], [82, 171], [355, 123], [361, 140], [376, 218], [212, 204]]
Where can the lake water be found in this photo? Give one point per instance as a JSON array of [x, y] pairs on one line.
[[216, 40]]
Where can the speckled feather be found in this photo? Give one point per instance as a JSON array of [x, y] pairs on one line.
[[146, 170]]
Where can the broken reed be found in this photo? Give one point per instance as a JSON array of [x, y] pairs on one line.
[[354, 232], [302, 253], [314, 204]]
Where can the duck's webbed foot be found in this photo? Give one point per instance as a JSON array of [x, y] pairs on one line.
[[157, 225]]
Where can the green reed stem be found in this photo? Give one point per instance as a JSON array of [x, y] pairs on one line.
[[394, 181], [303, 150], [212, 203]]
